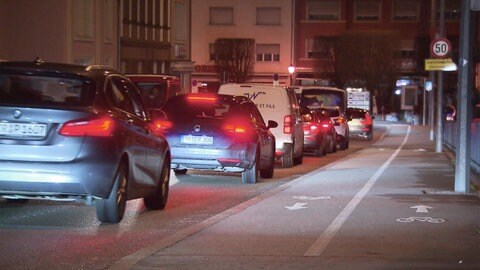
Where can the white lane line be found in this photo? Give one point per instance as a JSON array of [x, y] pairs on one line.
[[322, 242]]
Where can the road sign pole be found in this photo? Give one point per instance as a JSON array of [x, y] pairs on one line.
[[464, 116]]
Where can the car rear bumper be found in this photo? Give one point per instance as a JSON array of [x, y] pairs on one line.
[[57, 180], [231, 159]]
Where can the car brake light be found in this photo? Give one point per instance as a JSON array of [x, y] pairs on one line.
[[239, 129], [287, 124], [98, 127], [202, 98], [160, 126], [340, 120]]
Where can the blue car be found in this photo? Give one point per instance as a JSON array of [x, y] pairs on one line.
[[78, 133], [219, 132]]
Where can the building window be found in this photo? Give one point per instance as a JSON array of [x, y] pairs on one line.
[[320, 47], [318, 10], [221, 15], [268, 52], [181, 28], [367, 10], [407, 49], [406, 10], [268, 16], [452, 10], [84, 18]]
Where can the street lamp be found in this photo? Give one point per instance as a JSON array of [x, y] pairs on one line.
[[291, 70]]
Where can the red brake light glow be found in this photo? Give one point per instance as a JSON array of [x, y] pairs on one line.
[[99, 127], [202, 98], [287, 124]]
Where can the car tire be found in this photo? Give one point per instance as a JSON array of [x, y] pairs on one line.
[[112, 209], [250, 176], [159, 199], [287, 158], [298, 160], [180, 171], [369, 136], [267, 173], [17, 201], [320, 150]]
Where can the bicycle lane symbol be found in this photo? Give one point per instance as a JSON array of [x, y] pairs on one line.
[[421, 219]]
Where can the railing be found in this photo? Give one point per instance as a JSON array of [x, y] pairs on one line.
[[450, 140]]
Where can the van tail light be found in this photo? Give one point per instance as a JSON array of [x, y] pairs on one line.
[[287, 124], [95, 127]]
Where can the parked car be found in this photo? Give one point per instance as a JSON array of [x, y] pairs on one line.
[[319, 132], [341, 126], [156, 89], [279, 104], [333, 99], [78, 133], [361, 123], [219, 132]]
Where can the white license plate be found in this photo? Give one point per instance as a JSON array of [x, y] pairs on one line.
[[190, 139], [23, 130]]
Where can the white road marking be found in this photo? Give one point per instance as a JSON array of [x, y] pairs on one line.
[[311, 198], [421, 208], [322, 242], [297, 206]]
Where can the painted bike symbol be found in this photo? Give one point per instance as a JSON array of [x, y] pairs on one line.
[[421, 219]]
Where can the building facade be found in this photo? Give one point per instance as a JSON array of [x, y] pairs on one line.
[[134, 36], [268, 22]]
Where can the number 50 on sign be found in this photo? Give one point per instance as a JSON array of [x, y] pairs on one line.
[[440, 48]]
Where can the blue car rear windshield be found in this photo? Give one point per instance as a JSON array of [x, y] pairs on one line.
[[20, 89], [181, 109]]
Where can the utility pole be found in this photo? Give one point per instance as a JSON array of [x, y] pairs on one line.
[[439, 141], [464, 111]]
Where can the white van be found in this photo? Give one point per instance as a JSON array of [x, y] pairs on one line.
[[279, 104]]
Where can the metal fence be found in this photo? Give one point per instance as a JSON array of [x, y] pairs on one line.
[[450, 140]]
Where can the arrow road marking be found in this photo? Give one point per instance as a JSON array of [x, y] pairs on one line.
[[296, 206], [311, 198], [421, 208]]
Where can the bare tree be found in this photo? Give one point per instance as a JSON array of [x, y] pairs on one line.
[[367, 57], [234, 58]]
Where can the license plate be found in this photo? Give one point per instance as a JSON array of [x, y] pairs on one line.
[[23, 130], [190, 139]]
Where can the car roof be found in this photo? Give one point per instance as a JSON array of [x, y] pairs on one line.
[[151, 77], [40, 66]]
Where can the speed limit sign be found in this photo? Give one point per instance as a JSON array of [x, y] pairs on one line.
[[440, 48]]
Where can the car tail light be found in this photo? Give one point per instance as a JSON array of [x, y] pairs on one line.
[[287, 124], [326, 125], [340, 120], [238, 128], [202, 98], [96, 127], [160, 126], [309, 128]]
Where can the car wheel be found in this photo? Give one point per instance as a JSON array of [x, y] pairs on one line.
[[267, 173], [369, 136], [111, 210], [180, 171], [159, 199], [298, 160], [318, 152], [249, 176], [287, 158]]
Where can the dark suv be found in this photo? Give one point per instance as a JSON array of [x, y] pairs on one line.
[[219, 132]]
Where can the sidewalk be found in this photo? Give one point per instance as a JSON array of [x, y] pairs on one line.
[[341, 210]]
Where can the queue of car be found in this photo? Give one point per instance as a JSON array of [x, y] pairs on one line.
[[91, 134]]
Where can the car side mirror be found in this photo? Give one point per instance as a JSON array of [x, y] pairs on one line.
[[272, 124]]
